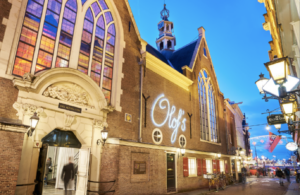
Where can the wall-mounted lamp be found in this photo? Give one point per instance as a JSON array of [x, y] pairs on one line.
[[278, 69], [104, 135], [219, 156], [182, 150], [33, 123]]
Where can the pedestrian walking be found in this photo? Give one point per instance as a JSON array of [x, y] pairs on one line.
[[67, 174], [47, 168], [279, 174], [287, 174], [244, 174]]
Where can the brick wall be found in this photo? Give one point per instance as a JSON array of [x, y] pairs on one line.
[[9, 95], [130, 82], [10, 156], [117, 164], [5, 9]]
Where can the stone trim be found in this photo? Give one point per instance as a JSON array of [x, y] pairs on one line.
[[14, 128], [168, 149]]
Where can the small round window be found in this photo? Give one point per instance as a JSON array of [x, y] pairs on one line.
[[182, 141], [157, 136]]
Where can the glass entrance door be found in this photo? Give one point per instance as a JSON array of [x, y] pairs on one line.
[[171, 173]]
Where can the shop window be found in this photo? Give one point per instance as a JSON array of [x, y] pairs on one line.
[[207, 105], [222, 166], [182, 141], [157, 136], [192, 167], [209, 166]]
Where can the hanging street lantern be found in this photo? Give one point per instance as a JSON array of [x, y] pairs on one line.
[[278, 69], [277, 126], [288, 107], [261, 82]]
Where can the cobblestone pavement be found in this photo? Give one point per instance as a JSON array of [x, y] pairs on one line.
[[254, 186], [257, 186]]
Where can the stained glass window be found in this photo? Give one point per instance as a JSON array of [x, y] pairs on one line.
[[96, 8], [24, 55], [103, 4], [207, 108], [85, 48], [46, 49], [97, 46], [108, 17], [66, 35]]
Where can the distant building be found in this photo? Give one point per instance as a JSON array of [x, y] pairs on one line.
[[283, 21]]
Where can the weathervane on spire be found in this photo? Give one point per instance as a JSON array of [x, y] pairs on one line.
[[165, 13]]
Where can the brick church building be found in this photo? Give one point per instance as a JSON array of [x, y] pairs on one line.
[[80, 67]]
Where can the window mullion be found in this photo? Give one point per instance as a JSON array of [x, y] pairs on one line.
[[104, 51], [58, 34], [92, 47], [208, 111], [39, 37]]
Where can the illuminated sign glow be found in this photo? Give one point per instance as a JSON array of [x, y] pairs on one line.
[[173, 122], [291, 146]]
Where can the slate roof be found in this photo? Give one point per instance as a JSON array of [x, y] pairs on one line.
[[179, 58], [156, 53], [183, 56]]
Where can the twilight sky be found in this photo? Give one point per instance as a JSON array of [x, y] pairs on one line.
[[238, 45]]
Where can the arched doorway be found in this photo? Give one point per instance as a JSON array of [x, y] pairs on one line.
[[58, 146]]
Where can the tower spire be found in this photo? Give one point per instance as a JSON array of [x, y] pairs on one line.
[[165, 13], [166, 40]]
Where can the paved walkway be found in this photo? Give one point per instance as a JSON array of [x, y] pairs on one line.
[[257, 186]]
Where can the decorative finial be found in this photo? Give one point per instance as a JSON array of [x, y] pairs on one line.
[[165, 13]]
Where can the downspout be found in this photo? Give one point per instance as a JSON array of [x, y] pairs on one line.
[[225, 120], [142, 65]]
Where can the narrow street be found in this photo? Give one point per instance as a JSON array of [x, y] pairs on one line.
[[254, 186], [257, 186]]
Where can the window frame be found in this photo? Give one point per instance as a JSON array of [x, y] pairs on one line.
[[154, 141], [193, 172], [210, 106], [184, 139], [209, 161], [238, 166], [222, 162]]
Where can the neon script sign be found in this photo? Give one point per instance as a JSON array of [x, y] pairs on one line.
[[173, 122]]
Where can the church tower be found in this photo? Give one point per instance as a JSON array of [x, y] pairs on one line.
[[166, 41]]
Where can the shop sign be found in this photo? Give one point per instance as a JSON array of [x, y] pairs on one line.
[[172, 121], [274, 119], [291, 146], [70, 108]]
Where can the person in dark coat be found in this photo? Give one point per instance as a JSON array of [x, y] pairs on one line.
[[48, 166], [287, 174], [279, 174], [68, 174]]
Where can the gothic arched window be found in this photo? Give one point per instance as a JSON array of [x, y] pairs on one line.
[[208, 120], [46, 39], [100, 40]]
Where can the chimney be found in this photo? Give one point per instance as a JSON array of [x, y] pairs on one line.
[[201, 31]]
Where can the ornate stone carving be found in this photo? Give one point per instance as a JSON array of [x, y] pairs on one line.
[[69, 92], [27, 109], [108, 108], [69, 119], [28, 77], [100, 124]]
